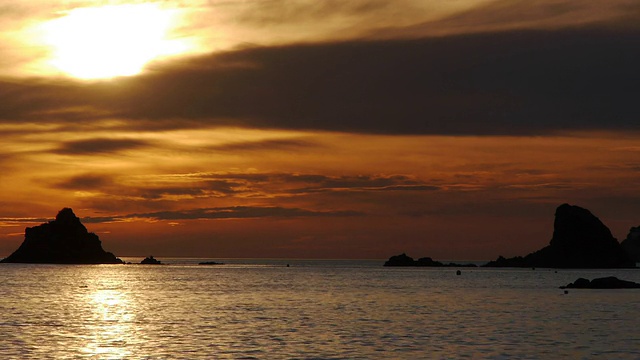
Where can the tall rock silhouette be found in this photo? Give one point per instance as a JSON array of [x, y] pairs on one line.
[[580, 240], [61, 241], [632, 244]]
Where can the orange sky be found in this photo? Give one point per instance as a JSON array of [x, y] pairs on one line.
[[304, 129]]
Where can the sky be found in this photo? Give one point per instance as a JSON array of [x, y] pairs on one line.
[[319, 129]]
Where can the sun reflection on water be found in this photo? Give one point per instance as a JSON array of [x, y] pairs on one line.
[[110, 328]]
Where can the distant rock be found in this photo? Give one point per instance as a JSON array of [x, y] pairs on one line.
[[580, 240], [400, 260], [150, 260], [610, 282], [632, 244], [210, 263], [61, 241], [404, 260]]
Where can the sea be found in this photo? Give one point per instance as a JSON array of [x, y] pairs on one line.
[[311, 309]]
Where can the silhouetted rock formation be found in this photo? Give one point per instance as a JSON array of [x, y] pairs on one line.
[[610, 282], [580, 240], [632, 244], [210, 263], [400, 260], [61, 241], [404, 260], [150, 260]]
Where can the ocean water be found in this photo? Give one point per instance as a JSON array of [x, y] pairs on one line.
[[262, 309]]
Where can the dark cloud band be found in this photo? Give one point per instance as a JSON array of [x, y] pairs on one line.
[[507, 83], [234, 212]]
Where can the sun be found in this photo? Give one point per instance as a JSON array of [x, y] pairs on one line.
[[110, 41]]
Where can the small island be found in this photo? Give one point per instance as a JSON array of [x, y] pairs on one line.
[[61, 241], [405, 260], [150, 260], [610, 282], [210, 263]]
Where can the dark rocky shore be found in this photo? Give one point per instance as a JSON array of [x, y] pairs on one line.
[[61, 241]]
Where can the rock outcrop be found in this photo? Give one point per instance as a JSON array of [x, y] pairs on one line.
[[61, 241], [404, 260], [632, 244], [580, 240], [150, 260], [610, 282]]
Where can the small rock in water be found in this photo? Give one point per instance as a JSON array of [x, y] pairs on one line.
[[609, 282], [150, 261]]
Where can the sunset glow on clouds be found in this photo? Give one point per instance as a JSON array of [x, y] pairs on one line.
[[327, 129]]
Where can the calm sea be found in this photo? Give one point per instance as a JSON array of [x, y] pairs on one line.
[[262, 309]]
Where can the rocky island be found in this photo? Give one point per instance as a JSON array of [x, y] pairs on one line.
[[150, 260], [610, 282], [405, 260], [632, 244], [61, 241], [580, 240]]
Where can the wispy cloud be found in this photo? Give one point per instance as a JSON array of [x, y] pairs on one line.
[[13, 221], [85, 182], [238, 185], [510, 15], [270, 13], [268, 145], [97, 146], [235, 212]]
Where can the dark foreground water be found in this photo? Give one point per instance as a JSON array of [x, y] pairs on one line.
[[261, 309]]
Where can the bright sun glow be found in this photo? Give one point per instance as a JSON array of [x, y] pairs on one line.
[[109, 41]]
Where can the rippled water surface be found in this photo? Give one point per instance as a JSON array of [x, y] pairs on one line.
[[253, 309]]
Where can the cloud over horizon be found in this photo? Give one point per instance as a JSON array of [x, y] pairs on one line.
[[234, 185], [505, 83], [233, 212]]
